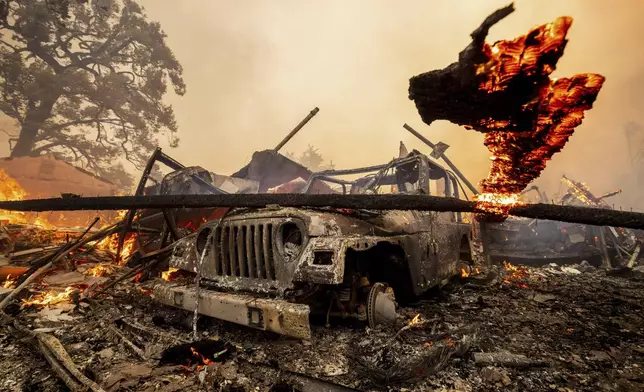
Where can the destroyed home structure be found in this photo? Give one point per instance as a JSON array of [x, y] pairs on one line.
[[46, 176]]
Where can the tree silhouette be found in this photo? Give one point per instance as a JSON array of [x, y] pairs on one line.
[[85, 81], [312, 159]]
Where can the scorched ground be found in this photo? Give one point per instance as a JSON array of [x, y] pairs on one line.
[[579, 329]]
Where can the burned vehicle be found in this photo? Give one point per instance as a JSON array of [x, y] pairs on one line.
[[274, 268], [538, 242]]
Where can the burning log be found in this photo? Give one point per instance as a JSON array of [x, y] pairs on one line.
[[504, 90], [572, 214]]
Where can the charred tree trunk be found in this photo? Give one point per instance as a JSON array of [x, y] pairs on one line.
[[34, 120]]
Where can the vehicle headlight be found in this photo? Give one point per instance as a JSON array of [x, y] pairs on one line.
[[290, 240]]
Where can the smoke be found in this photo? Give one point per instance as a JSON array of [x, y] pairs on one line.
[[254, 69]]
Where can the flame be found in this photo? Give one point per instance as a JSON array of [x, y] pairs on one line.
[[415, 320], [465, 273], [50, 297], [110, 244], [100, 270], [8, 283], [204, 360], [515, 275], [547, 118], [10, 190], [170, 274], [497, 203]]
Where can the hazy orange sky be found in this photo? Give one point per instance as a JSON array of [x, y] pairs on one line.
[[254, 69]]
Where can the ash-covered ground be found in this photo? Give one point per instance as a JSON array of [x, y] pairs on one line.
[[565, 329]]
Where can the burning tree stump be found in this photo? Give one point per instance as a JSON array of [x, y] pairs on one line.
[[504, 90]]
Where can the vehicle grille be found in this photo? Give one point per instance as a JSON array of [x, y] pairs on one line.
[[245, 250]]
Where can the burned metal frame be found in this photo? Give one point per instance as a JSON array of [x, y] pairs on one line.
[[296, 129], [447, 161], [159, 156], [328, 175]]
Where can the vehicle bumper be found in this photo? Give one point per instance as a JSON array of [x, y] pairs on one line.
[[266, 314]]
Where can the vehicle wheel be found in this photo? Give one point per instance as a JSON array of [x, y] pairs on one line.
[[381, 305]]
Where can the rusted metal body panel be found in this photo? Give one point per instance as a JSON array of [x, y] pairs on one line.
[[267, 314], [246, 251]]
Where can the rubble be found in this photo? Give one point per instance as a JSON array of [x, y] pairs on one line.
[[588, 324]]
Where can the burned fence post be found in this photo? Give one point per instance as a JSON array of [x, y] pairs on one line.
[[296, 129], [448, 162]]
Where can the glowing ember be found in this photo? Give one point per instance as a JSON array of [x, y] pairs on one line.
[[8, 283], [204, 360], [495, 203], [100, 270], [50, 297], [137, 278], [170, 274], [465, 273], [415, 320], [551, 115], [110, 244], [504, 90], [515, 275]]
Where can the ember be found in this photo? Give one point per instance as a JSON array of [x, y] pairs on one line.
[[515, 275], [415, 320], [465, 273], [203, 361], [170, 274], [504, 90], [50, 298], [496, 203], [8, 283], [110, 244], [556, 108], [100, 270]]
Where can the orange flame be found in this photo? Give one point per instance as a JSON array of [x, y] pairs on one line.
[[100, 270], [515, 275], [465, 273], [50, 297], [496, 203], [10, 190], [8, 283], [110, 244], [170, 274], [415, 320], [520, 150]]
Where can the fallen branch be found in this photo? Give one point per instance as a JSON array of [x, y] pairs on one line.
[[139, 353], [506, 360], [573, 214], [55, 353]]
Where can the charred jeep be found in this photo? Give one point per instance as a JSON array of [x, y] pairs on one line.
[[272, 268]]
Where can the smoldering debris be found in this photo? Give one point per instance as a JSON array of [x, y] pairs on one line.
[[566, 330]]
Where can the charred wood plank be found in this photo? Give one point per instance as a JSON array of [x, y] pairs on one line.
[[572, 214], [506, 360]]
